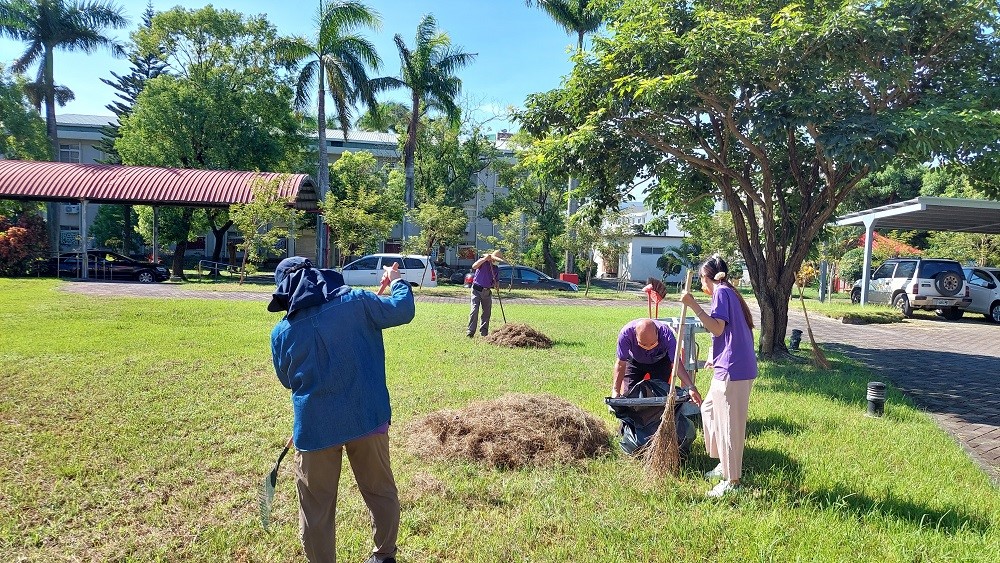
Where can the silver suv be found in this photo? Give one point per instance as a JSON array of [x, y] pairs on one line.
[[918, 283]]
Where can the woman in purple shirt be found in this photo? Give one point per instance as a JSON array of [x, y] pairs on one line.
[[724, 410]]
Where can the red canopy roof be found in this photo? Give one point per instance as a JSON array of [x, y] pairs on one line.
[[143, 185]]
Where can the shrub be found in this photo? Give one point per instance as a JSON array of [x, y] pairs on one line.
[[22, 243]]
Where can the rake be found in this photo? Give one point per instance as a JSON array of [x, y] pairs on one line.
[[662, 455], [267, 489]]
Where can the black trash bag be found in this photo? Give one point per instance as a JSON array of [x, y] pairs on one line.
[[640, 411]]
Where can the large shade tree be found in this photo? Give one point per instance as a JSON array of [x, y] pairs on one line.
[[428, 71], [50, 25], [224, 104], [783, 107], [337, 61]]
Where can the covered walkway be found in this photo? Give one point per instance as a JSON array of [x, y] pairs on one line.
[[144, 185]]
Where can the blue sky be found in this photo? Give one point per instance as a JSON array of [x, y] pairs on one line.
[[520, 50]]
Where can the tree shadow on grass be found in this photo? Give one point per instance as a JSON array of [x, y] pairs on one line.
[[757, 426], [859, 505]]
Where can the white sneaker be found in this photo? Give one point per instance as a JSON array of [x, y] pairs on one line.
[[715, 473], [722, 488]]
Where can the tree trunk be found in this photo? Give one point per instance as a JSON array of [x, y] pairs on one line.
[[52, 209], [322, 170], [219, 234], [773, 302], [550, 260], [181, 245], [410, 149]]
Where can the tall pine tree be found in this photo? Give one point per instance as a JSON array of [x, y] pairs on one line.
[[145, 66]]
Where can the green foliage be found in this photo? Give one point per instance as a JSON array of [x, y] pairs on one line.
[[112, 223], [852, 264], [780, 110], [440, 225], [23, 241], [598, 232], [449, 157], [144, 66], [389, 117], [538, 192], [227, 107], [22, 130], [173, 224], [360, 209], [263, 222]]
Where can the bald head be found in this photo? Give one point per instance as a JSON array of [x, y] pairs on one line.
[[647, 334]]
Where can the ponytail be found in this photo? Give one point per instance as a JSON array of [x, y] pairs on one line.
[[717, 269]]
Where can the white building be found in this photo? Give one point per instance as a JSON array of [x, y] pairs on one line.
[[639, 262]]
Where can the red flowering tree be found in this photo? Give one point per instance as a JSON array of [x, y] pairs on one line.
[[22, 242]]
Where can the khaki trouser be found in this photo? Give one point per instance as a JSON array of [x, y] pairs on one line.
[[724, 420], [317, 479]]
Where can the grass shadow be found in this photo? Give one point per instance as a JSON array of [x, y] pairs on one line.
[[783, 426], [859, 506]]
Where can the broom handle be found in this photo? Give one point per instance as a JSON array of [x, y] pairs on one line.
[[680, 333]]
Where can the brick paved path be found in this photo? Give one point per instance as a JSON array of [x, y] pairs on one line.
[[950, 369]]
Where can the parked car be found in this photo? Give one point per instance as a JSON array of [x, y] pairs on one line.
[[107, 265], [417, 270], [531, 278], [918, 283], [984, 285]]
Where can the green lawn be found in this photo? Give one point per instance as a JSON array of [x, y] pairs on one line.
[[139, 430]]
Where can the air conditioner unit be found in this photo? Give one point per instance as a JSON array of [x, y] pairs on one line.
[[72, 208]]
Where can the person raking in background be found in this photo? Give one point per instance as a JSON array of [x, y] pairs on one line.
[[734, 364], [328, 351], [647, 346], [486, 279]]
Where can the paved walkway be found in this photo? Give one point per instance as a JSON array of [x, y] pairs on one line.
[[950, 369]]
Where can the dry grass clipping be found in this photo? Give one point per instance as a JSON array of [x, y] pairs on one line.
[[516, 335], [510, 432]]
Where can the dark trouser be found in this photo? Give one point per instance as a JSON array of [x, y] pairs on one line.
[[481, 297], [636, 372], [318, 477]]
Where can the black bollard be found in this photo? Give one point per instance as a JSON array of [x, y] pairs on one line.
[[796, 338], [876, 398]]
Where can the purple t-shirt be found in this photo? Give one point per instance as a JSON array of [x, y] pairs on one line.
[[733, 356], [628, 345], [487, 275]]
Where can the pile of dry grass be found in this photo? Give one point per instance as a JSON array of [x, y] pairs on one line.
[[515, 335], [510, 432]]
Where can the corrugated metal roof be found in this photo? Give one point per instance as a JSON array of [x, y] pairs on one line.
[[82, 119], [142, 185]]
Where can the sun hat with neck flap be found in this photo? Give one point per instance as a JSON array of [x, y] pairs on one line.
[[300, 285]]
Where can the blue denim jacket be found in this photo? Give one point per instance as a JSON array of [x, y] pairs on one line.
[[331, 356]]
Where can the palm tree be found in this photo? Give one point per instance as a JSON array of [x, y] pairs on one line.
[[337, 61], [47, 25], [428, 71], [579, 17], [575, 16]]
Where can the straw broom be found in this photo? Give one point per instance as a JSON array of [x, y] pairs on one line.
[[662, 455]]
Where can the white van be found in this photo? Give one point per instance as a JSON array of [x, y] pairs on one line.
[[417, 270]]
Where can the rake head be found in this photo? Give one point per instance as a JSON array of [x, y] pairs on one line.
[[267, 492]]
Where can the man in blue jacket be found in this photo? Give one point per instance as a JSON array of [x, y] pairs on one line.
[[328, 351]]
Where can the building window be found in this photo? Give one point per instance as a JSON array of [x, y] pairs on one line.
[[651, 250], [69, 152]]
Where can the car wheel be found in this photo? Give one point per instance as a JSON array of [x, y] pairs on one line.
[[901, 302], [951, 313], [145, 276], [995, 312], [948, 283], [856, 295]]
